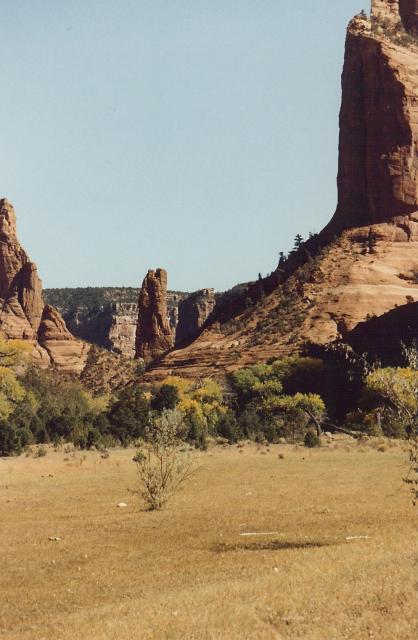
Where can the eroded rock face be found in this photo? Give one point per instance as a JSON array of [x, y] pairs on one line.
[[122, 330], [406, 10], [193, 313], [154, 335], [65, 353], [377, 174], [371, 266], [23, 315]]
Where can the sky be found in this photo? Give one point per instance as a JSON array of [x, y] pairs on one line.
[[195, 135]]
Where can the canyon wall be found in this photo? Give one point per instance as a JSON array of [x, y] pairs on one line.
[[107, 316], [193, 312]]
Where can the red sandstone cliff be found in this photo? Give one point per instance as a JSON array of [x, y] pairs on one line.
[[377, 173], [369, 257], [23, 314]]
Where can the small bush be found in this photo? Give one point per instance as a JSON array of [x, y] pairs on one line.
[[161, 464], [312, 440]]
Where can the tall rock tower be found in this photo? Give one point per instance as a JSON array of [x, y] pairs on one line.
[[378, 165], [154, 335]]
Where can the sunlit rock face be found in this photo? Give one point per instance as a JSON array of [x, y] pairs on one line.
[[23, 313], [154, 335], [406, 10], [377, 175]]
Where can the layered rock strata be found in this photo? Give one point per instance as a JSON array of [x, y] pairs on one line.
[[23, 314]]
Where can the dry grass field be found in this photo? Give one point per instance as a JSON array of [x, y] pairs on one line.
[[189, 571]]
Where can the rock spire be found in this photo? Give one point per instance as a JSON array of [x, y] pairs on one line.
[[154, 335]]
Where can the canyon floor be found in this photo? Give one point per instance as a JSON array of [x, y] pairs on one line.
[[340, 559]]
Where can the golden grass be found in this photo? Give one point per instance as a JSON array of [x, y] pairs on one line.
[[186, 572]]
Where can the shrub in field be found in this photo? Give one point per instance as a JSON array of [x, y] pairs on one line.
[[162, 464], [311, 440]]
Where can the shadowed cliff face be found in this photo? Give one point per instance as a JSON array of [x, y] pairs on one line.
[[409, 13], [23, 314], [383, 337], [193, 313]]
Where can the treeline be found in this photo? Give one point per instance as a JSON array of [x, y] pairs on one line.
[[291, 399]]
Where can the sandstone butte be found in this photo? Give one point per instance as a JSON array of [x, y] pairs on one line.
[[23, 314], [154, 335], [365, 262]]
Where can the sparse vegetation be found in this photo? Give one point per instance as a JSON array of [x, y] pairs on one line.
[[161, 462], [393, 30]]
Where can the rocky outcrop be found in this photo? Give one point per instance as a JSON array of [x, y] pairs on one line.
[[395, 10], [193, 312], [154, 335], [364, 263], [122, 330], [23, 314], [106, 316], [377, 175], [65, 353]]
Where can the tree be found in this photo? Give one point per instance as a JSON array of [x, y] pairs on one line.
[[11, 392], [14, 353], [298, 242], [397, 395], [166, 397], [129, 415], [162, 464], [398, 388]]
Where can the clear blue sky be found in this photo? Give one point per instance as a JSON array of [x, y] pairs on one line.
[[195, 135]]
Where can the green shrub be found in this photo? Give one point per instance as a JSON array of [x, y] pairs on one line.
[[311, 440], [228, 427]]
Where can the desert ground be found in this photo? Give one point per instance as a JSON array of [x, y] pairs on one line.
[[277, 542]]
